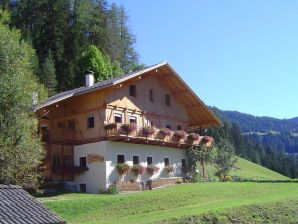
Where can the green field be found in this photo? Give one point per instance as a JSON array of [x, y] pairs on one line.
[[250, 170], [167, 203], [277, 212]]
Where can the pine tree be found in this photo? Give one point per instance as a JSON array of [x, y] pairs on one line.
[[48, 74]]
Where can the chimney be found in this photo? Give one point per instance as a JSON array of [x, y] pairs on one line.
[[89, 77]]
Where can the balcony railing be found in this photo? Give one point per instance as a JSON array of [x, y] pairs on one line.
[[154, 136]]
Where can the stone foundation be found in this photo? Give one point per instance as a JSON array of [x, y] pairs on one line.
[[138, 186]]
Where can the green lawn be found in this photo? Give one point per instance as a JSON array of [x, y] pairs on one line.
[[247, 169], [167, 203]]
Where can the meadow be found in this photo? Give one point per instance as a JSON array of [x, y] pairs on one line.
[[168, 203]]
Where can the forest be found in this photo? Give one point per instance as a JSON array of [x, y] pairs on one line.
[[260, 149], [70, 36]]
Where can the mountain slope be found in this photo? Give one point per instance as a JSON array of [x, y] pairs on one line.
[[247, 169], [280, 134]]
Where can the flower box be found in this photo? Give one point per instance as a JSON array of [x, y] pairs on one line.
[[152, 169], [164, 132], [138, 170], [179, 135], [147, 131], [122, 168], [169, 169], [192, 137], [110, 126], [127, 129]]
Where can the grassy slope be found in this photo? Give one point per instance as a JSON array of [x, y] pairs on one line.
[[171, 202], [278, 212], [247, 169]]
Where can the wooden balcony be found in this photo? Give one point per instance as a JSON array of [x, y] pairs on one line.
[[155, 136]]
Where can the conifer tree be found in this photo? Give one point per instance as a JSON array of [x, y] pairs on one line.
[[48, 74]]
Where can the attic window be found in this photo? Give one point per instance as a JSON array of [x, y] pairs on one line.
[[133, 90], [168, 100]]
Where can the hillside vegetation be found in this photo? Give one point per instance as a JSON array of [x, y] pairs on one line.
[[250, 170], [167, 203]]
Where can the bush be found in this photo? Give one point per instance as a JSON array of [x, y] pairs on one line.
[[112, 189], [138, 169], [151, 169], [148, 131], [179, 134], [122, 168], [169, 169], [127, 129]]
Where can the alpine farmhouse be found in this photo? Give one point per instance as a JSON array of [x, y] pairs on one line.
[[137, 118]]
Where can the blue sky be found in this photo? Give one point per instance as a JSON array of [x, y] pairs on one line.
[[236, 55]]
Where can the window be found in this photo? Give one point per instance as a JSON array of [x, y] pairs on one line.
[[66, 161], [82, 188], [151, 95], [151, 123], [133, 90], [90, 121], [132, 119], [61, 124], [167, 161], [169, 127], [120, 159], [55, 161], [168, 100], [71, 124], [179, 127], [118, 118], [83, 161], [149, 160], [135, 159], [183, 163]]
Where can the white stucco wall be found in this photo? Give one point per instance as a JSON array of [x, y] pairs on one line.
[[95, 177], [102, 174]]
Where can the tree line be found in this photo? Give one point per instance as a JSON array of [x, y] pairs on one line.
[[70, 36], [255, 150]]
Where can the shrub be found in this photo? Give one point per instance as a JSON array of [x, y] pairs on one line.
[[122, 168], [151, 169], [179, 134], [192, 137], [138, 170], [127, 129], [112, 189], [162, 133], [148, 131], [169, 169], [110, 126]]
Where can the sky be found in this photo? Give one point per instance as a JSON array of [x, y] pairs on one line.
[[235, 54]]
